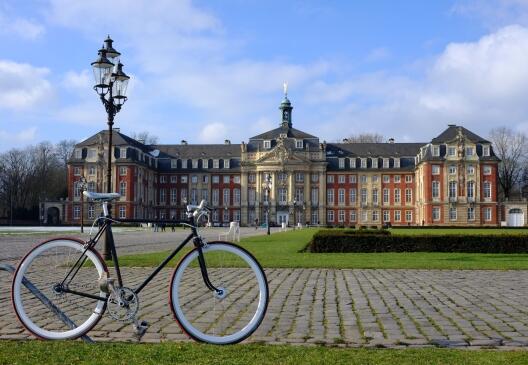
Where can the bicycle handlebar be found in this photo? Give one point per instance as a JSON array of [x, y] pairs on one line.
[[197, 209]]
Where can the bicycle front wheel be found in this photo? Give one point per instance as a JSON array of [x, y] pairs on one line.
[[38, 291], [229, 317]]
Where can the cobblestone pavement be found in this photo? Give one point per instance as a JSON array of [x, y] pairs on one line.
[[373, 308]]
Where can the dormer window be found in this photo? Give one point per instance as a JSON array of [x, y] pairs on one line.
[[194, 164], [184, 164], [299, 143], [174, 164], [485, 150], [363, 163], [469, 151], [436, 151], [341, 163], [205, 163], [123, 152], [216, 163], [78, 153], [226, 163], [385, 163], [283, 135], [353, 163], [451, 151], [91, 153], [396, 163], [374, 163], [267, 144]]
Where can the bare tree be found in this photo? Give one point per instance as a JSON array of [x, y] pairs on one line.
[[64, 150], [364, 138], [145, 137], [512, 148]]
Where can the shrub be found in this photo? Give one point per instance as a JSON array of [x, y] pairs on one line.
[[346, 241]]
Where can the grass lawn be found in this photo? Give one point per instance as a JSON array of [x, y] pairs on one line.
[[41, 352], [444, 231], [282, 250]]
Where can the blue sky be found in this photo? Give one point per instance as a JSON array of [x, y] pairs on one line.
[[205, 71]]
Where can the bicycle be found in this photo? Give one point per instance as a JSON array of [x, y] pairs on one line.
[[218, 292]]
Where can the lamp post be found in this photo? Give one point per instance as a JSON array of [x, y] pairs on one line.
[[267, 188], [82, 183], [226, 213], [110, 84]]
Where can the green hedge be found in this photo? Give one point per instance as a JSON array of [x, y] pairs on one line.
[[339, 241]]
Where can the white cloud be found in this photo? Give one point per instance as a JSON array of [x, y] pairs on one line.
[[23, 28], [78, 80], [25, 136], [378, 54], [23, 85], [213, 132]]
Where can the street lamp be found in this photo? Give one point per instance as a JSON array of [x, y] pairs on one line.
[[110, 84], [82, 184], [266, 185], [226, 213]]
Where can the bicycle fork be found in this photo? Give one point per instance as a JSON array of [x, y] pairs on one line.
[[220, 293]]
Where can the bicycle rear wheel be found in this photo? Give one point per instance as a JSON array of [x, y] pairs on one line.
[[209, 317], [45, 267]]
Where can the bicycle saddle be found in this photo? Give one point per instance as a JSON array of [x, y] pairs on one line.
[[101, 196]]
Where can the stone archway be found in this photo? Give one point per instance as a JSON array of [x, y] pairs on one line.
[[53, 216]]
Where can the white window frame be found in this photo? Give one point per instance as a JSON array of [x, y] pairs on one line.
[[267, 144]]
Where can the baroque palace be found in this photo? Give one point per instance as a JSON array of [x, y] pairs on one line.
[[451, 180]]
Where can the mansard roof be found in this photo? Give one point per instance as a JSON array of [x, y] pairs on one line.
[[452, 132], [374, 149], [290, 132], [118, 139], [190, 151]]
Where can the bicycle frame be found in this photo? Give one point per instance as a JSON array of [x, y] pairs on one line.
[[107, 226]]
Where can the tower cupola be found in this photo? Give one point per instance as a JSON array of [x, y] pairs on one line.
[[286, 109]]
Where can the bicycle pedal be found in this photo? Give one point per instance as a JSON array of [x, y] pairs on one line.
[[140, 327]]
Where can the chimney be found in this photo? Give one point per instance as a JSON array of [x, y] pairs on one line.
[[117, 130], [451, 125], [227, 141], [391, 140], [184, 142]]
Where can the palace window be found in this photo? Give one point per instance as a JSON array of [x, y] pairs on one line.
[[236, 196], [341, 179], [299, 195], [352, 179], [374, 163], [452, 189], [364, 215], [396, 163], [487, 170], [363, 179], [194, 196], [91, 212], [226, 179], [408, 215], [183, 196], [363, 163], [470, 170], [78, 153], [330, 196], [163, 178], [469, 151], [436, 151], [174, 179], [471, 189], [267, 144], [194, 179], [330, 216], [352, 215], [408, 179], [216, 164], [340, 216], [452, 170], [386, 196], [184, 179], [315, 196], [386, 216], [487, 190], [397, 196], [215, 196], [397, 216], [386, 179], [341, 163], [299, 177], [236, 179], [194, 163], [436, 169], [341, 196], [375, 215], [122, 188], [375, 196], [471, 214], [173, 196], [352, 163], [76, 212], [436, 189], [215, 179], [77, 171], [363, 196], [436, 213], [330, 179], [227, 163], [91, 170], [486, 152], [283, 196], [225, 201], [487, 214], [122, 212], [397, 179], [408, 195], [452, 214], [314, 178], [299, 143], [451, 151], [252, 178], [352, 196]]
